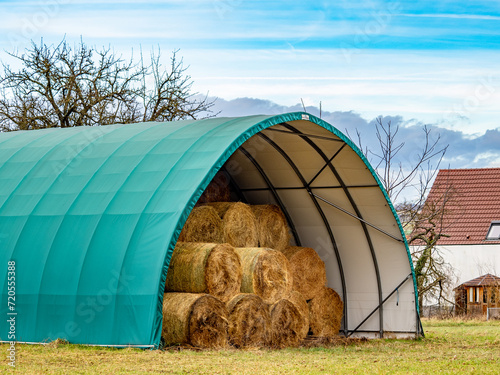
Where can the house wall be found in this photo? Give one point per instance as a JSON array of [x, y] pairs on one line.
[[468, 262], [471, 261]]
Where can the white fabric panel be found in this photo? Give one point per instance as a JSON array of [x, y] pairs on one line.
[[392, 259], [375, 210], [360, 305], [325, 179], [303, 213], [337, 197], [313, 233], [357, 262], [310, 128], [303, 156], [275, 166], [351, 168], [399, 309]]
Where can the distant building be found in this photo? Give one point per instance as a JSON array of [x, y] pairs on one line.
[[475, 296], [471, 222]]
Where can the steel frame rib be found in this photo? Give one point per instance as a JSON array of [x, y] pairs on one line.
[[315, 187], [323, 217], [358, 213], [235, 186]]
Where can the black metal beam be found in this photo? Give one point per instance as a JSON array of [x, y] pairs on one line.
[[326, 164], [275, 194], [314, 187], [234, 185]]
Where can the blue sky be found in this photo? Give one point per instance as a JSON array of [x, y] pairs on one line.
[[433, 62]]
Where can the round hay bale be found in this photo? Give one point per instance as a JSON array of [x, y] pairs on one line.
[[286, 324], [272, 228], [308, 270], [204, 268], [203, 225], [239, 226], [217, 190], [266, 272], [325, 313], [196, 319], [249, 321], [301, 304], [220, 207]]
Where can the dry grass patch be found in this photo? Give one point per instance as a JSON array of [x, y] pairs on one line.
[[450, 347]]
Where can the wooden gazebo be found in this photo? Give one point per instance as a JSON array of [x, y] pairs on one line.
[[475, 296]]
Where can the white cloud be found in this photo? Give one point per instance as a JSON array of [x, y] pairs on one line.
[[455, 16]]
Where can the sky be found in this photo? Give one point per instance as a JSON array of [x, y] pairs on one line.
[[433, 63]]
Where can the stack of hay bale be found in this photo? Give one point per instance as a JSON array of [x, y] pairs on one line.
[[233, 278]]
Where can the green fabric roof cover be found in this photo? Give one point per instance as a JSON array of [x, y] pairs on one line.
[[91, 215]]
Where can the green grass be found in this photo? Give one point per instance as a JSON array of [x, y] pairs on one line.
[[450, 347]]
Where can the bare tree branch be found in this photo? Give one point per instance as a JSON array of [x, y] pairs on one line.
[[421, 219], [60, 86]]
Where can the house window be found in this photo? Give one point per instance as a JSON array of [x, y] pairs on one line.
[[477, 294], [485, 296], [494, 231], [471, 294], [492, 295]]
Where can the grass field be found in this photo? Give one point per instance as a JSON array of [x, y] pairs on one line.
[[450, 347]]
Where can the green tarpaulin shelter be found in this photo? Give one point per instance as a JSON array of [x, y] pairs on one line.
[[90, 216]]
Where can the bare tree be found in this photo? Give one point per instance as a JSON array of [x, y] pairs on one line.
[[421, 219], [434, 276], [58, 86], [418, 173], [170, 98]]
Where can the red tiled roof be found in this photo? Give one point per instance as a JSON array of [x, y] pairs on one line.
[[474, 203], [485, 280]]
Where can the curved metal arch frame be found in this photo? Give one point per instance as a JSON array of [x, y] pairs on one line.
[[358, 213]]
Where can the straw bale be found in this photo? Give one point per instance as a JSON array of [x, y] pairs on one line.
[[285, 324], [301, 304], [308, 270], [272, 228], [220, 207], [218, 190], [325, 313], [266, 272], [196, 319], [239, 225], [204, 268], [249, 321], [203, 225]]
